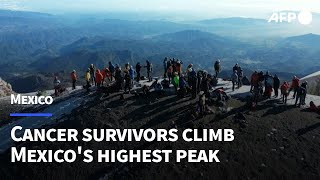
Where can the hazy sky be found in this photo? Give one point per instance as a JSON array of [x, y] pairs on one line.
[[181, 8]]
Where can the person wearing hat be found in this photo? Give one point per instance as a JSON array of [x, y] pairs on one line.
[[74, 79]]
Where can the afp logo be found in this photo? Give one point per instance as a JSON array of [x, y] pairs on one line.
[[304, 17]]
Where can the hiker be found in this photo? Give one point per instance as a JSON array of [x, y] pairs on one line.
[[128, 83], [126, 68], [182, 87], [57, 86], [165, 67], [179, 67], [188, 72], [235, 67], [199, 80], [138, 70], [131, 74], [254, 80], [109, 75], [257, 92], [276, 85], [300, 95], [240, 76], [74, 79], [221, 94], [175, 81], [268, 82], [104, 73], [99, 78], [314, 108], [119, 78], [170, 73], [234, 79], [205, 83], [145, 91], [284, 91], [304, 96], [295, 85], [87, 78], [92, 75], [217, 67], [214, 81], [112, 70], [202, 103], [149, 70], [158, 88], [193, 83]]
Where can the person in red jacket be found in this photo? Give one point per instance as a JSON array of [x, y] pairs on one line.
[[105, 75], [284, 91], [254, 80], [99, 78], [295, 85], [74, 79]]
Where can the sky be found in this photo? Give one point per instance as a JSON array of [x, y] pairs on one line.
[[181, 8]]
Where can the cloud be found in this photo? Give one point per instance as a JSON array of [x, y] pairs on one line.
[[12, 5]]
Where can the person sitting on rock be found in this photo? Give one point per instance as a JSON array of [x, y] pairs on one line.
[[314, 108]]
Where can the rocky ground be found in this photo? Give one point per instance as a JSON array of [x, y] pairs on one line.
[[273, 141]]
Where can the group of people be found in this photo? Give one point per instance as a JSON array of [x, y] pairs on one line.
[[190, 81], [273, 83], [123, 78]]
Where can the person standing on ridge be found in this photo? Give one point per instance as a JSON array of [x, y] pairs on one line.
[[170, 73], [119, 78], [295, 85], [104, 73], [92, 75], [74, 79], [240, 76], [254, 80], [234, 79], [165, 67], [87, 78], [99, 78], [268, 82], [194, 85], [57, 86], [235, 67], [138, 70], [304, 96], [217, 67], [276, 85], [175, 81], [127, 85], [112, 70], [299, 95], [179, 67], [284, 91], [149, 70], [205, 83], [131, 74]]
